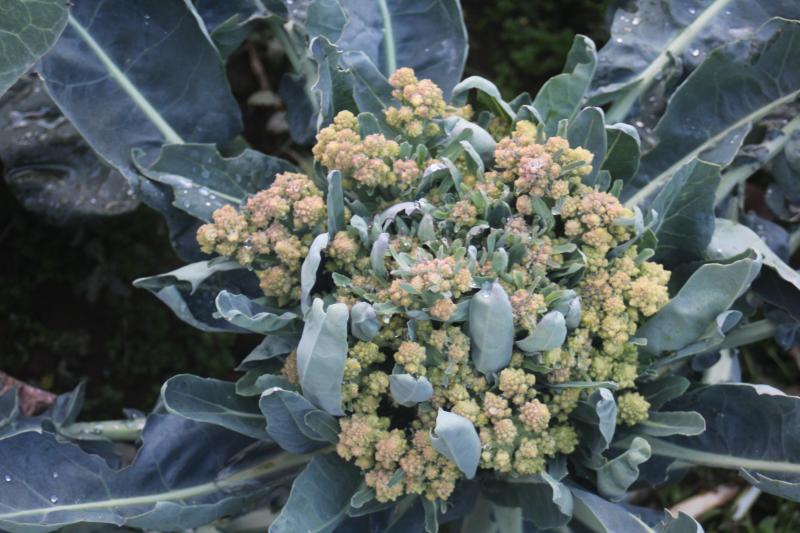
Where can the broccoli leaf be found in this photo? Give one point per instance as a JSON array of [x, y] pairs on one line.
[[150, 66], [185, 475], [213, 401], [28, 28], [712, 289], [321, 355], [320, 497], [491, 329]]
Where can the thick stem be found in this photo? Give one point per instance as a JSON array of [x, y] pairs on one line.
[[388, 33], [116, 430], [749, 334]]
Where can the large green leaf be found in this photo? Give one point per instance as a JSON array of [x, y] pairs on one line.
[[685, 213], [28, 28], [426, 35], [185, 475], [711, 111], [623, 151], [321, 355], [653, 42], [213, 401], [754, 429], [202, 180], [191, 291], [491, 329], [710, 291], [136, 75], [320, 497]]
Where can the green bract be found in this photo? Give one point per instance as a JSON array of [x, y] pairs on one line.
[[475, 311]]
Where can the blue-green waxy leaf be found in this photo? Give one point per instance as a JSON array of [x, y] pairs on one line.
[[597, 419], [285, 412], [335, 201], [730, 239], [545, 501], [268, 349], [28, 28], [617, 475], [491, 329], [191, 291], [750, 428], [151, 66], [623, 151], [603, 516], [480, 139], [176, 481], [321, 354], [662, 390], [588, 130], [379, 249], [456, 438], [202, 180], [712, 289], [410, 390], [364, 322], [241, 311], [428, 36], [561, 96], [667, 423], [737, 85], [334, 87], [61, 413], [308, 272], [215, 402], [685, 213], [550, 333], [320, 497], [487, 91]]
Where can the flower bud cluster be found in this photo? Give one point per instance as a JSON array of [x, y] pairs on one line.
[[270, 233], [557, 245]]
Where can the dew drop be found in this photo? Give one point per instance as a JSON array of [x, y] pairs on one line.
[[695, 52], [97, 430], [203, 191], [692, 11], [7, 478], [636, 21], [639, 124], [53, 499], [619, 40], [55, 475]]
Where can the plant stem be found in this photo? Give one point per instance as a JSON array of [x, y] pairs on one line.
[[733, 177], [748, 334], [388, 33], [116, 430], [299, 63], [620, 109], [794, 241]]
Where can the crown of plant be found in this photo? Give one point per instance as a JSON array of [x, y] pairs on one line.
[[483, 298]]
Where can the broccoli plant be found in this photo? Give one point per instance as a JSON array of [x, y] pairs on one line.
[[477, 314]]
